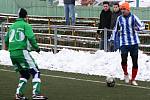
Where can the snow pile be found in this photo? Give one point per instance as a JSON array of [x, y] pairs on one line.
[[100, 63]]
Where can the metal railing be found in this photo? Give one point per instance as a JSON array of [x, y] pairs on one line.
[[56, 41]]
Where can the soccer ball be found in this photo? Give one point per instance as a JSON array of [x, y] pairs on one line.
[[110, 81]]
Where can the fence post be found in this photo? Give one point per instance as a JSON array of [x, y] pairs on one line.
[[99, 39], [1, 44], [105, 39], [55, 40], [2, 36], [49, 23]]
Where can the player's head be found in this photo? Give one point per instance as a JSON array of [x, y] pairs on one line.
[[125, 8], [106, 6], [116, 7], [22, 13]]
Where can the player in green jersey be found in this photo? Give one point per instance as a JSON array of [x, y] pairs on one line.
[[18, 41]]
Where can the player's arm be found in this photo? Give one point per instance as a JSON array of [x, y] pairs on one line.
[[31, 37], [138, 24]]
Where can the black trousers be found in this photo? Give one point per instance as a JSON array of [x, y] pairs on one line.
[[133, 50]]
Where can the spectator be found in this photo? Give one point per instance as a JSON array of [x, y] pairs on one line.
[[115, 14], [69, 7], [17, 40], [87, 2], [105, 19], [128, 24], [50, 2]]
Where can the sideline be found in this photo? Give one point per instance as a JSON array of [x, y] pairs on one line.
[[92, 81]]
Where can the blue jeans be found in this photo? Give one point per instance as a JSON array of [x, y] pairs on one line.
[[69, 9]]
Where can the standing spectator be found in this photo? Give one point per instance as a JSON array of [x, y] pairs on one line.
[[105, 21], [69, 7], [116, 12], [50, 2], [128, 24], [17, 40]]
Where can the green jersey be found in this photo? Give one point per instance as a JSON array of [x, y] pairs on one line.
[[20, 36]]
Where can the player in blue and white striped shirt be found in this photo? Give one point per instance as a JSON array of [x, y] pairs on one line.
[[126, 27]]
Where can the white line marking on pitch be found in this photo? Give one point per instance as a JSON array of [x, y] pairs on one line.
[[71, 78]]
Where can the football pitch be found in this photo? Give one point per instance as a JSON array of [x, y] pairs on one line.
[[70, 86]]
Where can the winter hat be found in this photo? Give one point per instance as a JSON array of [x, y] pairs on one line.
[[126, 6], [22, 13]]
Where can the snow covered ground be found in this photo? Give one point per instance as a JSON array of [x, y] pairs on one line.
[[100, 63]]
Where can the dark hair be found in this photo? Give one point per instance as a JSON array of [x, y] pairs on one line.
[[22, 13], [105, 2], [116, 4]]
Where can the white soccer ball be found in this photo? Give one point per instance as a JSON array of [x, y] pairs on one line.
[[110, 81]]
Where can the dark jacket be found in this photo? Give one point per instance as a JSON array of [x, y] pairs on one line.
[[69, 2], [114, 17], [105, 20]]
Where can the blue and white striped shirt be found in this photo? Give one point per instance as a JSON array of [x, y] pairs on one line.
[[126, 25]]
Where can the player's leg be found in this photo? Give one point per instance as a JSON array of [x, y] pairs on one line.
[[22, 84], [135, 66], [124, 56], [24, 76], [19, 60], [36, 81], [22, 81], [124, 63], [134, 56]]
